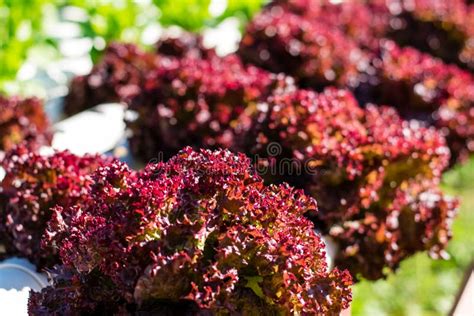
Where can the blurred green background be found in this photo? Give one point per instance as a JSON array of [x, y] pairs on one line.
[[32, 31]]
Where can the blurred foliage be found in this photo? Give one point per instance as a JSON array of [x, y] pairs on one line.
[[104, 21], [30, 24], [202, 13], [21, 27], [191, 14], [243, 9], [423, 286]]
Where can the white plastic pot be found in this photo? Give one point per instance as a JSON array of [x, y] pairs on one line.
[[17, 278]]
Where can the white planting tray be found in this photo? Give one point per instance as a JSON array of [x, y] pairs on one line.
[[97, 130], [17, 277]]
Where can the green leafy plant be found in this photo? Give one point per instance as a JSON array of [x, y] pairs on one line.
[[106, 21], [23, 24], [21, 27], [200, 13]]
